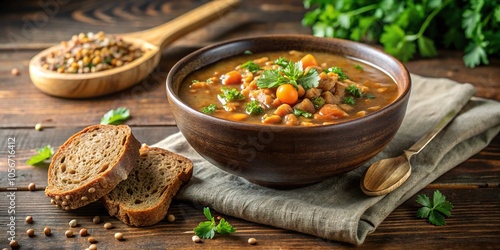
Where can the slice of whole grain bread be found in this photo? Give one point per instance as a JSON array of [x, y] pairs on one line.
[[144, 198], [90, 164]]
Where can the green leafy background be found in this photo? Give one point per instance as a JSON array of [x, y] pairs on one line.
[[408, 27]]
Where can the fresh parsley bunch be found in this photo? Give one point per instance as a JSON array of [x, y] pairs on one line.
[[404, 27]]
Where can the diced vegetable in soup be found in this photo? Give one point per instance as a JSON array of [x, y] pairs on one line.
[[288, 88]]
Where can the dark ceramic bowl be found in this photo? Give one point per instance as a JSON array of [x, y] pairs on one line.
[[282, 156]]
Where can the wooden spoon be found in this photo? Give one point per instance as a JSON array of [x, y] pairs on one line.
[[384, 176], [152, 41]]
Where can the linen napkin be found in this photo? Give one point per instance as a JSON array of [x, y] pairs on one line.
[[337, 209]]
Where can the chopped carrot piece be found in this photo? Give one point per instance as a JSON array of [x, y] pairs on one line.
[[308, 60], [232, 77]]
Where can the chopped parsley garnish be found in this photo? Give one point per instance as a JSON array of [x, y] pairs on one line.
[[209, 80], [354, 91], [435, 210], [194, 81], [231, 94], [247, 52], [318, 102], [349, 100], [254, 108], [299, 112], [42, 154], [282, 62], [291, 73], [251, 66], [210, 109], [115, 116], [207, 229], [338, 71], [357, 66]]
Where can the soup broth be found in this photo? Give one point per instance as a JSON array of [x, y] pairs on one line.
[[290, 88]]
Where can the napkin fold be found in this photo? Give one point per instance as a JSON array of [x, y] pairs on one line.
[[337, 209]]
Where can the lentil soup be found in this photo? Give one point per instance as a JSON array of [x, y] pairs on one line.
[[291, 88]]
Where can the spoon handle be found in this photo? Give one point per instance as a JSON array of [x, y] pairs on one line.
[[166, 33], [423, 141]]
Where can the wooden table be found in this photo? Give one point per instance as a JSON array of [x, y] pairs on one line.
[[472, 187]]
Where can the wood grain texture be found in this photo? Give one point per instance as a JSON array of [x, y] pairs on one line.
[[401, 227], [27, 28]]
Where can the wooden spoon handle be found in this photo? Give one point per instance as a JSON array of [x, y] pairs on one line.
[[166, 33]]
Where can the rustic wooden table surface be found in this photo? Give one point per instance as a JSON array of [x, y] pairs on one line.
[[26, 27]]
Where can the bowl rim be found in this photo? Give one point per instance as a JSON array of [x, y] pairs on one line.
[[174, 97]]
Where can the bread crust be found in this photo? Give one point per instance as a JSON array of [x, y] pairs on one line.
[[101, 184], [151, 215]]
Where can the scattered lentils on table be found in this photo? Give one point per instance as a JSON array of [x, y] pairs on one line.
[[91, 52]]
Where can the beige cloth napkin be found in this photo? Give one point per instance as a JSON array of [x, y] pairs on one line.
[[336, 209]]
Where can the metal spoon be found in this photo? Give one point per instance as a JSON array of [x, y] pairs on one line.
[[384, 176], [152, 41]]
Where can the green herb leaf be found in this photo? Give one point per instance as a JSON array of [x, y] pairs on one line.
[[349, 100], [436, 210], [210, 109], [318, 102], [299, 112], [254, 108], [354, 91], [291, 73], [207, 229], [357, 66], [116, 116], [42, 154], [231, 94], [224, 227], [338, 71], [270, 78], [282, 62], [426, 47], [251, 66]]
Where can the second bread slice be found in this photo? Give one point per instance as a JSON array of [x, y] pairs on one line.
[[144, 198]]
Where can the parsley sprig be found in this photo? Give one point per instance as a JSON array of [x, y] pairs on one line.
[[116, 116], [288, 72], [42, 154], [210, 109], [207, 229], [436, 210], [230, 95]]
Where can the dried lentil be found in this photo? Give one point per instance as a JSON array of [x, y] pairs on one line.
[[170, 218], [252, 241], [83, 232], [196, 239], [47, 231], [29, 219], [15, 71], [31, 186], [92, 239], [91, 52], [14, 243], [73, 223], [38, 127], [96, 219], [30, 232], [91, 190], [108, 225], [93, 247], [119, 236], [68, 233]]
